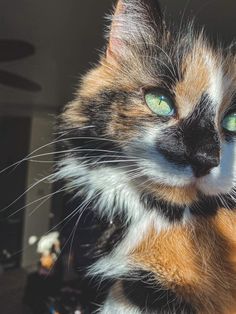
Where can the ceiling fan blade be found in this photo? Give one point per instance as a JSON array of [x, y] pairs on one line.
[[11, 49], [17, 81]]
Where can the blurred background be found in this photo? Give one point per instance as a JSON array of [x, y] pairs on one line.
[[45, 47]]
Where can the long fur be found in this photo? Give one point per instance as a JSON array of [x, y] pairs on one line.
[[127, 162]]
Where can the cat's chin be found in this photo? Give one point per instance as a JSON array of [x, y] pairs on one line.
[[207, 185], [221, 179]]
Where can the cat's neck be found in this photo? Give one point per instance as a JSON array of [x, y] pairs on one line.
[[111, 193]]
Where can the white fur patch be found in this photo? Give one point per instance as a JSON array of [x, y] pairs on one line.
[[222, 178], [115, 195], [114, 305], [118, 263], [111, 184], [187, 217], [216, 85]]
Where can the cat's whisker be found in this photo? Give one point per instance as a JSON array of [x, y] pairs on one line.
[[78, 210], [56, 141], [181, 121], [136, 174], [120, 21], [64, 132], [169, 58], [41, 161], [169, 78], [88, 158], [30, 158], [181, 23], [164, 64], [102, 139], [172, 70], [106, 162], [34, 156], [159, 61], [36, 201], [85, 163], [46, 198], [81, 210], [68, 218], [77, 150], [27, 190]]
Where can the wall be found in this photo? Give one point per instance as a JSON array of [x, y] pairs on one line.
[[36, 219]]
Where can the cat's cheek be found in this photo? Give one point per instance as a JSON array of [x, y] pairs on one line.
[[163, 172], [153, 163], [222, 179]]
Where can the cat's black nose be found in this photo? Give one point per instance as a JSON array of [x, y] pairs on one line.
[[202, 163]]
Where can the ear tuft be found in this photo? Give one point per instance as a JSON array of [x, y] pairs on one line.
[[135, 22], [115, 44]]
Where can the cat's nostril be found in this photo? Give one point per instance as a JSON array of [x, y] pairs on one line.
[[203, 163]]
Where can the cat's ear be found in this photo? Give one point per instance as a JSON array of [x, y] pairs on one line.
[[134, 23]]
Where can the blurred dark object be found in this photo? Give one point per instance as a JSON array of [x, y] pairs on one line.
[[67, 302], [50, 291], [11, 291], [14, 139], [18, 81], [10, 50], [39, 289], [7, 260]]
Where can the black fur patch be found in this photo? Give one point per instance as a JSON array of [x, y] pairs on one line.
[[208, 206], [194, 142], [112, 235], [172, 212], [205, 206], [150, 296], [92, 143]]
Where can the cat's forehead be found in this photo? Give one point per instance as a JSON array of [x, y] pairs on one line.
[[191, 69], [202, 74]]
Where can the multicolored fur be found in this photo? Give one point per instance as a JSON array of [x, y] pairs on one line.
[[169, 180]]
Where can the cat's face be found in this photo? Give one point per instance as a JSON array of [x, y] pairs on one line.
[[165, 102]]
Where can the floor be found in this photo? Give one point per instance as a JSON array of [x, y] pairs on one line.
[[11, 292]]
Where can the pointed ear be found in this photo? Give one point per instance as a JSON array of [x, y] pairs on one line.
[[135, 22]]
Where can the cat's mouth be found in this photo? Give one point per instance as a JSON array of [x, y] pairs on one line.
[[213, 182], [196, 198], [210, 175]]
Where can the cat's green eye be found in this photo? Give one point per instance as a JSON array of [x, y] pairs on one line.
[[160, 104], [229, 122]]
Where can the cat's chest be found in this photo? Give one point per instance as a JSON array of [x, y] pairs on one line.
[[197, 262]]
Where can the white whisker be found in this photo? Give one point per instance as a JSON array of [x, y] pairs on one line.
[[26, 191]]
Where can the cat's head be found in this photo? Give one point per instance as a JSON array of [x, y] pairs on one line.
[[160, 107]]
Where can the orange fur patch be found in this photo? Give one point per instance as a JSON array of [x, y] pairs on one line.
[[177, 195], [196, 79], [197, 261]]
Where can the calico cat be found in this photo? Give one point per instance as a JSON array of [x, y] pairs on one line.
[[150, 142]]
